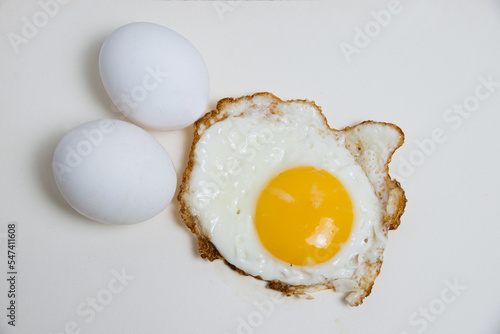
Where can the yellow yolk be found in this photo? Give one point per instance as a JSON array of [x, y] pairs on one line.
[[303, 216]]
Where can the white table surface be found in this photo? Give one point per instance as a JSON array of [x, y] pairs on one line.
[[431, 56]]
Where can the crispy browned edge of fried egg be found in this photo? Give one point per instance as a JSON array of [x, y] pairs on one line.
[[208, 250]]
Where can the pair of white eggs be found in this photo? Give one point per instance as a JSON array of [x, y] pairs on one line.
[[112, 171]]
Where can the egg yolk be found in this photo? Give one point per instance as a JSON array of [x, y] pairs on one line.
[[303, 216]]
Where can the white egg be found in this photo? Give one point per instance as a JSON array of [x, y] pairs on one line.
[[114, 172], [154, 76]]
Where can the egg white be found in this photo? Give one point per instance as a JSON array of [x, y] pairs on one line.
[[236, 157]]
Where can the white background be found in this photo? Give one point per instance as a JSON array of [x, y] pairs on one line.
[[426, 59]]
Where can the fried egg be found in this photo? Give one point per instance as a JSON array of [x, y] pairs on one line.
[[275, 192]]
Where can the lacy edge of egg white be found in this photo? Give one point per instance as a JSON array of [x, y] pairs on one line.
[[236, 157]]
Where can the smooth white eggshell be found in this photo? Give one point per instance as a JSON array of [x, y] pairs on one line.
[[154, 76], [114, 172]]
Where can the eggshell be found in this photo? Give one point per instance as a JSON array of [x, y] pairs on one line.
[[154, 76], [114, 172]]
